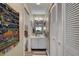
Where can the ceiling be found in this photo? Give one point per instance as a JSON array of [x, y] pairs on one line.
[[38, 9]]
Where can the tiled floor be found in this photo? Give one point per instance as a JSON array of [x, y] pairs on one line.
[[36, 53]]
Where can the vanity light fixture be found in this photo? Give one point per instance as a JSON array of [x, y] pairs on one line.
[[37, 3]]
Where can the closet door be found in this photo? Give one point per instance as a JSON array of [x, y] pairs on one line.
[[71, 29], [53, 42], [59, 32]]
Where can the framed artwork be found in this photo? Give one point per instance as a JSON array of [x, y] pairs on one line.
[[9, 28]]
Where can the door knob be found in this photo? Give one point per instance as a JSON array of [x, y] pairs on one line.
[[59, 43], [53, 39]]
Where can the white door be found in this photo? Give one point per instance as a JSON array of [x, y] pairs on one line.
[[71, 29], [53, 42], [59, 34]]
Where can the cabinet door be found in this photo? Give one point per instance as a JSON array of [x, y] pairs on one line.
[[42, 43], [34, 44]]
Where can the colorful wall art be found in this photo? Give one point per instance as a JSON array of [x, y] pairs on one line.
[[9, 28]]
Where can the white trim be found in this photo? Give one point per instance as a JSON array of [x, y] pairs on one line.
[[47, 52], [63, 23], [49, 8], [27, 8], [52, 7]]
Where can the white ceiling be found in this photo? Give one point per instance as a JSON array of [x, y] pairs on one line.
[[38, 9]]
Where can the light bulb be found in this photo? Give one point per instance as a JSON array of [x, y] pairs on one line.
[[37, 3]]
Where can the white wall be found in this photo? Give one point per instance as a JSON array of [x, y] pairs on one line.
[[28, 23], [19, 49], [29, 29]]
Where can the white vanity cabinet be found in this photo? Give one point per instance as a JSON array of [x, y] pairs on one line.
[[34, 44], [38, 43]]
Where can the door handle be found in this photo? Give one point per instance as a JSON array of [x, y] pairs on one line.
[[53, 38], [59, 43]]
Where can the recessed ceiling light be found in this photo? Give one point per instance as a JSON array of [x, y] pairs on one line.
[[37, 3]]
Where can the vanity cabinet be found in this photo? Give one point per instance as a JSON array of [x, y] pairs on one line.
[[38, 43]]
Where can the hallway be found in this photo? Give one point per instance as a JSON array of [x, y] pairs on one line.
[[39, 29]]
